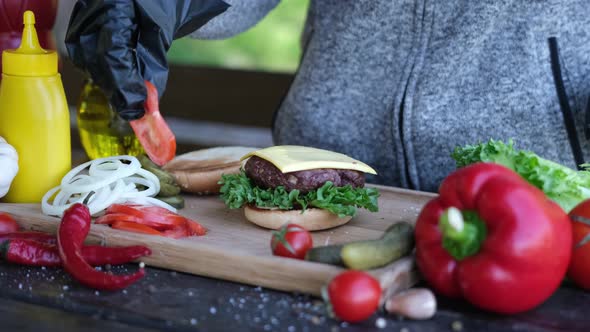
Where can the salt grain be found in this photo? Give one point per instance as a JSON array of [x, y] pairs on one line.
[[213, 310], [193, 321], [380, 323]]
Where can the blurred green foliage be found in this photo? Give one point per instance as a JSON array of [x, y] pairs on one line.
[[272, 45]]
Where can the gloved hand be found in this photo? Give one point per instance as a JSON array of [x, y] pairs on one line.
[[122, 43]]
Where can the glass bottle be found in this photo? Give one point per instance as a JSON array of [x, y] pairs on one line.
[[103, 133]]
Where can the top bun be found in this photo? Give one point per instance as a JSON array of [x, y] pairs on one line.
[[199, 171]]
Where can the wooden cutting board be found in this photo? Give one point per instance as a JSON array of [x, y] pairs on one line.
[[237, 250]]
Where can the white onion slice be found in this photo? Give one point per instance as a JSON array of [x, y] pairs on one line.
[[102, 179], [103, 182]]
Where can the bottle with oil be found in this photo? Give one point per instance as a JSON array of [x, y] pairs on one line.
[[103, 132]]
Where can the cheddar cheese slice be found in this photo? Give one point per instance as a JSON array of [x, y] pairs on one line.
[[292, 158]]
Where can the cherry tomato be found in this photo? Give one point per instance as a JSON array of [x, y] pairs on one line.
[[153, 132], [7, 224], [354, 295], [579, 268], [291, 241]]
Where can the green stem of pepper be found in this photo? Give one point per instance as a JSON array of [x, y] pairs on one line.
[[463, 232]]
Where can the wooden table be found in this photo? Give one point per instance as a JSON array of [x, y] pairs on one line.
[[42, 299], [47, 299]]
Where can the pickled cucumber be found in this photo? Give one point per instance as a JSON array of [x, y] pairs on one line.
[[176, 201], [168, 185], [397, 241]]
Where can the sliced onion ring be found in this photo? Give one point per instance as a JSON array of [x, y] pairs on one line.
[[102, 182]]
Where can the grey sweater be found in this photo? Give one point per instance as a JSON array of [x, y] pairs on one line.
[[399, 84]]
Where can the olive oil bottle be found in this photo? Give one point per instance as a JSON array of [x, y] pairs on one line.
[[103, 132]]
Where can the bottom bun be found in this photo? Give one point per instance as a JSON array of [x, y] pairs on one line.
[[311, 219]]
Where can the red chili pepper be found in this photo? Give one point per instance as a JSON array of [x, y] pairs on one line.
[[99, 255], [34, 236], [493, 239], [30, 252], [71, 233]]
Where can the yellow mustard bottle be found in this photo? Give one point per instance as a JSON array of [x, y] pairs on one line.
[[34, 117], [103, 133]]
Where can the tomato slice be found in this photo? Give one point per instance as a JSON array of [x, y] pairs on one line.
[[153, 132], [134, 227]]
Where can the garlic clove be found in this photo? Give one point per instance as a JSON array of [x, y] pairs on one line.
[[415, 303]]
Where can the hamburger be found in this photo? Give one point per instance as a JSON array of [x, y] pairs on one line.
[[317, 189]]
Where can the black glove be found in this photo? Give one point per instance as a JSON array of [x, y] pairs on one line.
[[122, 43]]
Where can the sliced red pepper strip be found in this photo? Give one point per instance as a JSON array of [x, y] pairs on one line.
[[135, 227], [177, 232], [153, 133], [153, 218], [195, 229], [71, 233], [129, 209], [109, 219], [30, 252]]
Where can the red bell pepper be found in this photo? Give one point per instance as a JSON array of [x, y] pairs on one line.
[[493, 239]]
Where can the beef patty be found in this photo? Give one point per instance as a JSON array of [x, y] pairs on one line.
[[266, 175]]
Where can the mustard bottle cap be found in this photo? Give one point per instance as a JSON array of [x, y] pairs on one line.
[[30, 59]]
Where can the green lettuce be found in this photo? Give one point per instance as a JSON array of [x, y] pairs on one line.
[[237, 190], [566, 186]]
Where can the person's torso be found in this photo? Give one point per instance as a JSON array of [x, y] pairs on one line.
[[399, 84]]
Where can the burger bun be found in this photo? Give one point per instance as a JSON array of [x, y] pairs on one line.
[[199, 171], [312, 219]]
